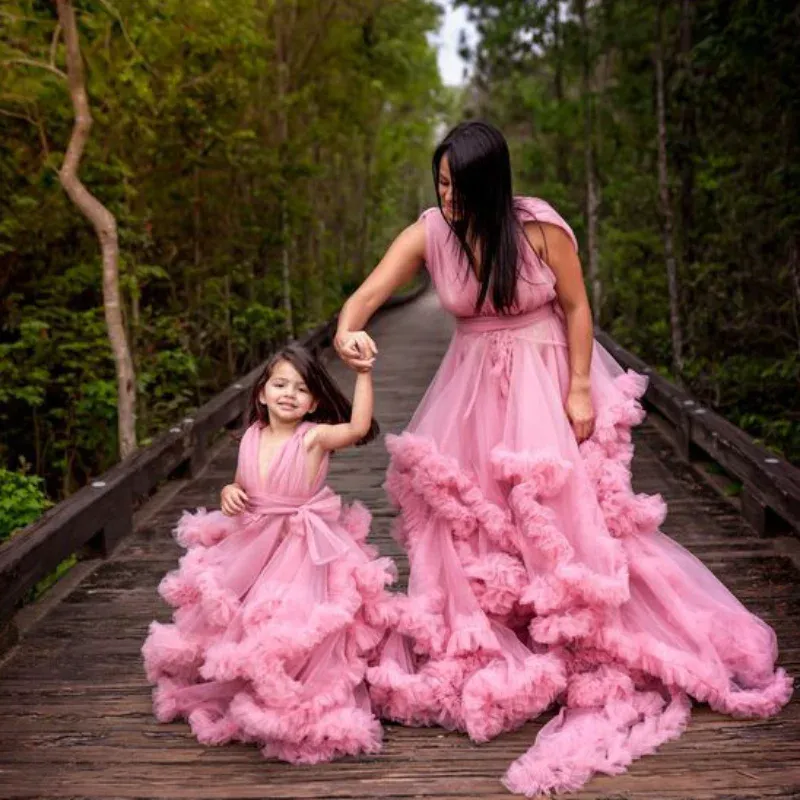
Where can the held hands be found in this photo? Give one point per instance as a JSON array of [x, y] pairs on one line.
[[580, 412], [233, 500], [356, 349]]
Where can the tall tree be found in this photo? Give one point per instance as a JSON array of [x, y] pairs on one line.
[[187, 155], [723, 116], [284, 16], [592, 188], [105, 226], [688, 126], [665, 201]]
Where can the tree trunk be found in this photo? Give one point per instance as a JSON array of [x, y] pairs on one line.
[[281, 37], [794, 270], [105, 226], [665, 201], [231, 358], [688, 134], [688, 147], [562, 145], [286, 274], [592, 192], [196, 222], [366, 210], [316, 233], [342, 188]]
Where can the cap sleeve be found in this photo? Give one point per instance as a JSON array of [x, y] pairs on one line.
[[432, 217], [427, 212], [532, 209]]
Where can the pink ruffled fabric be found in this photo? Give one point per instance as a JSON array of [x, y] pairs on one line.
[[276, 614], [537, 574]]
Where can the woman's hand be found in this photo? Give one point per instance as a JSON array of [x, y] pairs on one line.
[[233, 500], [580, 412], [356, 349]]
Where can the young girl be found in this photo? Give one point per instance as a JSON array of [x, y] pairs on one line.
[[278, 601]]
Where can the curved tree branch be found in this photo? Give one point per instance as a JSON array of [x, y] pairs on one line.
[[29, 62], [105, 226]]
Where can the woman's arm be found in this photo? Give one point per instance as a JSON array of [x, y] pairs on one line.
[[556, 248], [401, 262], [336, 437]]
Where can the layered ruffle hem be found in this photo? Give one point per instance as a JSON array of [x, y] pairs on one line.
[[276, 614], [539, 576]]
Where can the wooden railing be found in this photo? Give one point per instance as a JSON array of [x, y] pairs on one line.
[[770, 485], [92, 521]]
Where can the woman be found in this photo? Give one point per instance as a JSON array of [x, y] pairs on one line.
[[536, 573]]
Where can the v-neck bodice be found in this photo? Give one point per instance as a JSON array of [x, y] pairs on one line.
[[287, 473]]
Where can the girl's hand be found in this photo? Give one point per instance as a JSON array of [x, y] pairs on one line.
[[233, 500], [581, 413], [356, 349], [367, 368]]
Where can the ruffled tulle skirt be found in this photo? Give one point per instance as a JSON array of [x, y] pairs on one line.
[[538, 575], [267, 646]]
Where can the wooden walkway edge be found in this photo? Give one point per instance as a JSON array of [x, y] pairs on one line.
[[75, 715]]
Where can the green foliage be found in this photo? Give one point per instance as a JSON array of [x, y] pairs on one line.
[[22, 501], [214, 173], [733, 138], [50, 580]]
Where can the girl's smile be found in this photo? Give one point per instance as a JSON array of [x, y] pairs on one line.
[[286, 395]]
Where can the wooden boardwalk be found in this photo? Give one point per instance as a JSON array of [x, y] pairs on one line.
[[75, 717]]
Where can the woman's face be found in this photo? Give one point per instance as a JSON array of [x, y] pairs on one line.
[[445, 188]]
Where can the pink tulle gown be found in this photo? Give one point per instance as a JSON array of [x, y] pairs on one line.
[[276, 612], [537, 575]]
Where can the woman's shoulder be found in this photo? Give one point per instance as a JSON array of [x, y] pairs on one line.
[[433, 232], [429, 211], [534, 209], [432, 220]]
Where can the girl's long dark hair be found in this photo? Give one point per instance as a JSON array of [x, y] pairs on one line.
[[332, 406], [483, 208]]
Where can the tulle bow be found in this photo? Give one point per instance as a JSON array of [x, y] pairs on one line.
[[312, 518]]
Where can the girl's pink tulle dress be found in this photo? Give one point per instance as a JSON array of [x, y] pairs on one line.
[[276, 612], [537, 575]]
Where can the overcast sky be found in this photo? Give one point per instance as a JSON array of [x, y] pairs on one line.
[[451, 65]]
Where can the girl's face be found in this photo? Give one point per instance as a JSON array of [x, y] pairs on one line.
[[286, 395], [445, 188]]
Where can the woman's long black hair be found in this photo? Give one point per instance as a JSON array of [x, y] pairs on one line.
[[483, 208], [332, 406]]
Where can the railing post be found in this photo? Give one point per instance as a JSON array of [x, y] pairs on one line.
[[683, 436], [753, 510], [243, 420], [199, 453], [9, 635], [116, 527]]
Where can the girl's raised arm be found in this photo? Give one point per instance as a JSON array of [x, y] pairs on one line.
[[336, 437]]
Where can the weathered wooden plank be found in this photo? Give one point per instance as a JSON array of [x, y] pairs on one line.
[[75, 717], [260, 780]]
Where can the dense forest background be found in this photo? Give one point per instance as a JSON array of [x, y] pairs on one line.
[[691, 259], [259, 156]]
